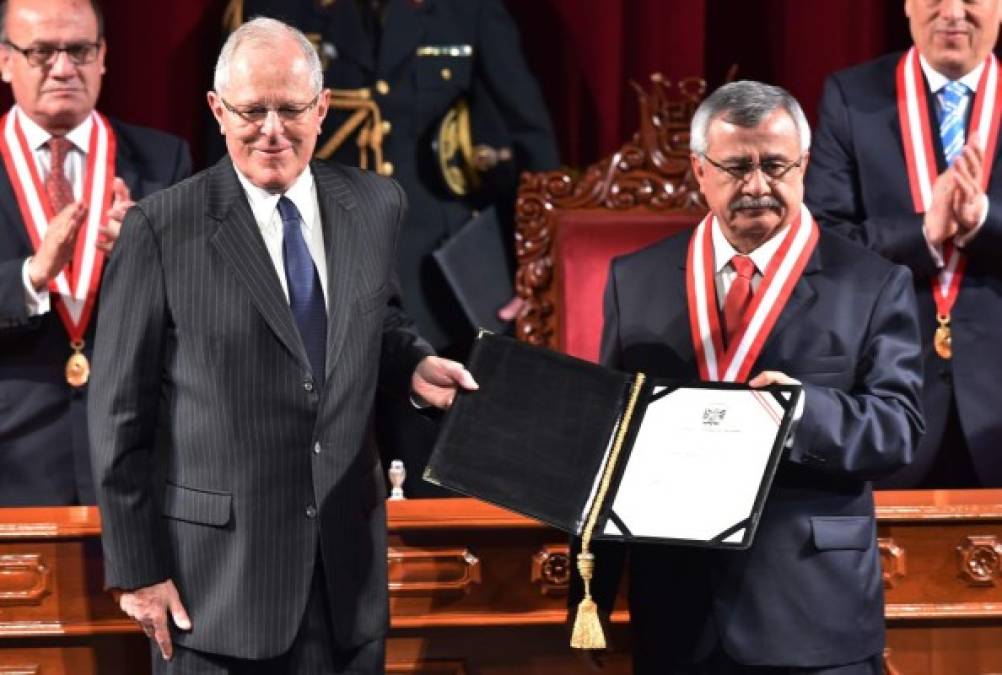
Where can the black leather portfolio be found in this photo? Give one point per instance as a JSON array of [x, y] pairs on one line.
[[560, 439], [475, 264]]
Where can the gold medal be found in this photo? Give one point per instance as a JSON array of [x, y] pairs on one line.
[[77, 366], [942, 341]]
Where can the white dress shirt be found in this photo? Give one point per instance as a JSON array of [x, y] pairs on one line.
[[38, 302], [264, 206], [723, 252]]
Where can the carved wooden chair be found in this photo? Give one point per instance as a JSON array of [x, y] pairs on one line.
[[569, 227]]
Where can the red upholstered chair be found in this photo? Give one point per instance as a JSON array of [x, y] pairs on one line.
[[569, 228]]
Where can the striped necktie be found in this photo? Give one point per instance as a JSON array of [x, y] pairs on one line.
[[952, 113]]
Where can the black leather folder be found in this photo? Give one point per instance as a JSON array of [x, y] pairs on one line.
[[475, 265], [541, 433]]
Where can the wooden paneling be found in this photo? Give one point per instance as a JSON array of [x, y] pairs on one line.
[[475, 590]]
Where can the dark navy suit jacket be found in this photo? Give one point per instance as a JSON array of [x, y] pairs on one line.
[[857, 185], [43, 425], [808, 592]]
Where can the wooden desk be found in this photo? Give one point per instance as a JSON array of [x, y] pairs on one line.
[[477, 590]]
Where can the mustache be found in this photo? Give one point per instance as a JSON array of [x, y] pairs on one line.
[[763, 202]]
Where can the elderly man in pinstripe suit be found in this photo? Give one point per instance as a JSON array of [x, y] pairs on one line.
[[248, 316]]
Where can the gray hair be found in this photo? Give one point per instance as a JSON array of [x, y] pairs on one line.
[[745, 103], [265, 31]]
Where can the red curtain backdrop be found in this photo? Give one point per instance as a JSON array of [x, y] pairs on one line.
[[160, 55]]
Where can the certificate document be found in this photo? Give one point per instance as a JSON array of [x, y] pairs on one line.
[[562, 440], [696, 469]]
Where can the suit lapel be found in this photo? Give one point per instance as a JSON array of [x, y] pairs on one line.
[[239, 243], [403, 29], [125, 167], [340, 221], [801, 299]]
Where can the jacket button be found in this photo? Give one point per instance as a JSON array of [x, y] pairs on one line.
[[386, 169], [382, 87], [446, 74], [316, 448], [387, 127], [311, 511], [308, 385]]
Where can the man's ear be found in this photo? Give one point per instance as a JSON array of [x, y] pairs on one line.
[[217, 108], [322, 107], [698, 167], [5, 56]]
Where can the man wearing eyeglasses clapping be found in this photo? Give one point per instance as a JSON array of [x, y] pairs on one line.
[[907, 163], [68, 175]]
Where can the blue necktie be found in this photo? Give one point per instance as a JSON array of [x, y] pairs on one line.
[[305, 293], [952, 98]]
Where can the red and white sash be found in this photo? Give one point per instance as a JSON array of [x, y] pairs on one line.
[[76, 293], [920, 158], [734, 364]]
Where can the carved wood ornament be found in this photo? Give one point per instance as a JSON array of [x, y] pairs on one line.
[[651, 172]]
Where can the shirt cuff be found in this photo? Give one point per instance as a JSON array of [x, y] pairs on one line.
[[37, 302], [963, 240], [935, 252]]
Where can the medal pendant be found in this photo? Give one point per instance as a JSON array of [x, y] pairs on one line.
[[942, 341], [77, 366]]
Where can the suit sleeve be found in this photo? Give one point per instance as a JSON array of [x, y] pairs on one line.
[[123, 406], [13, 308], [871, 430], [402, 346], [834, 192], [513, 89]]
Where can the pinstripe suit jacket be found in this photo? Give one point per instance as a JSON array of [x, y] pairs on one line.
[[218, 462]]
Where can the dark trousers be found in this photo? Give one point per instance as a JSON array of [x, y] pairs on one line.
[[719, 663], [312, 652], [953, 467]]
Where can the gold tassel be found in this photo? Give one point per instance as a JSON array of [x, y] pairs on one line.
[[587, 633]]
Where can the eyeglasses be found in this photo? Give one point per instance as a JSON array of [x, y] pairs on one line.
[[741, 172], [258, 114], [79, 53]]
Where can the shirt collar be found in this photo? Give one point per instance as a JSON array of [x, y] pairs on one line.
[[723, 251], [938, 80], [37, 137], [264, 204]]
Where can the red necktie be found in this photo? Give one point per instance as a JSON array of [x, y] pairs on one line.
[[56, 185], [739, 296]]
